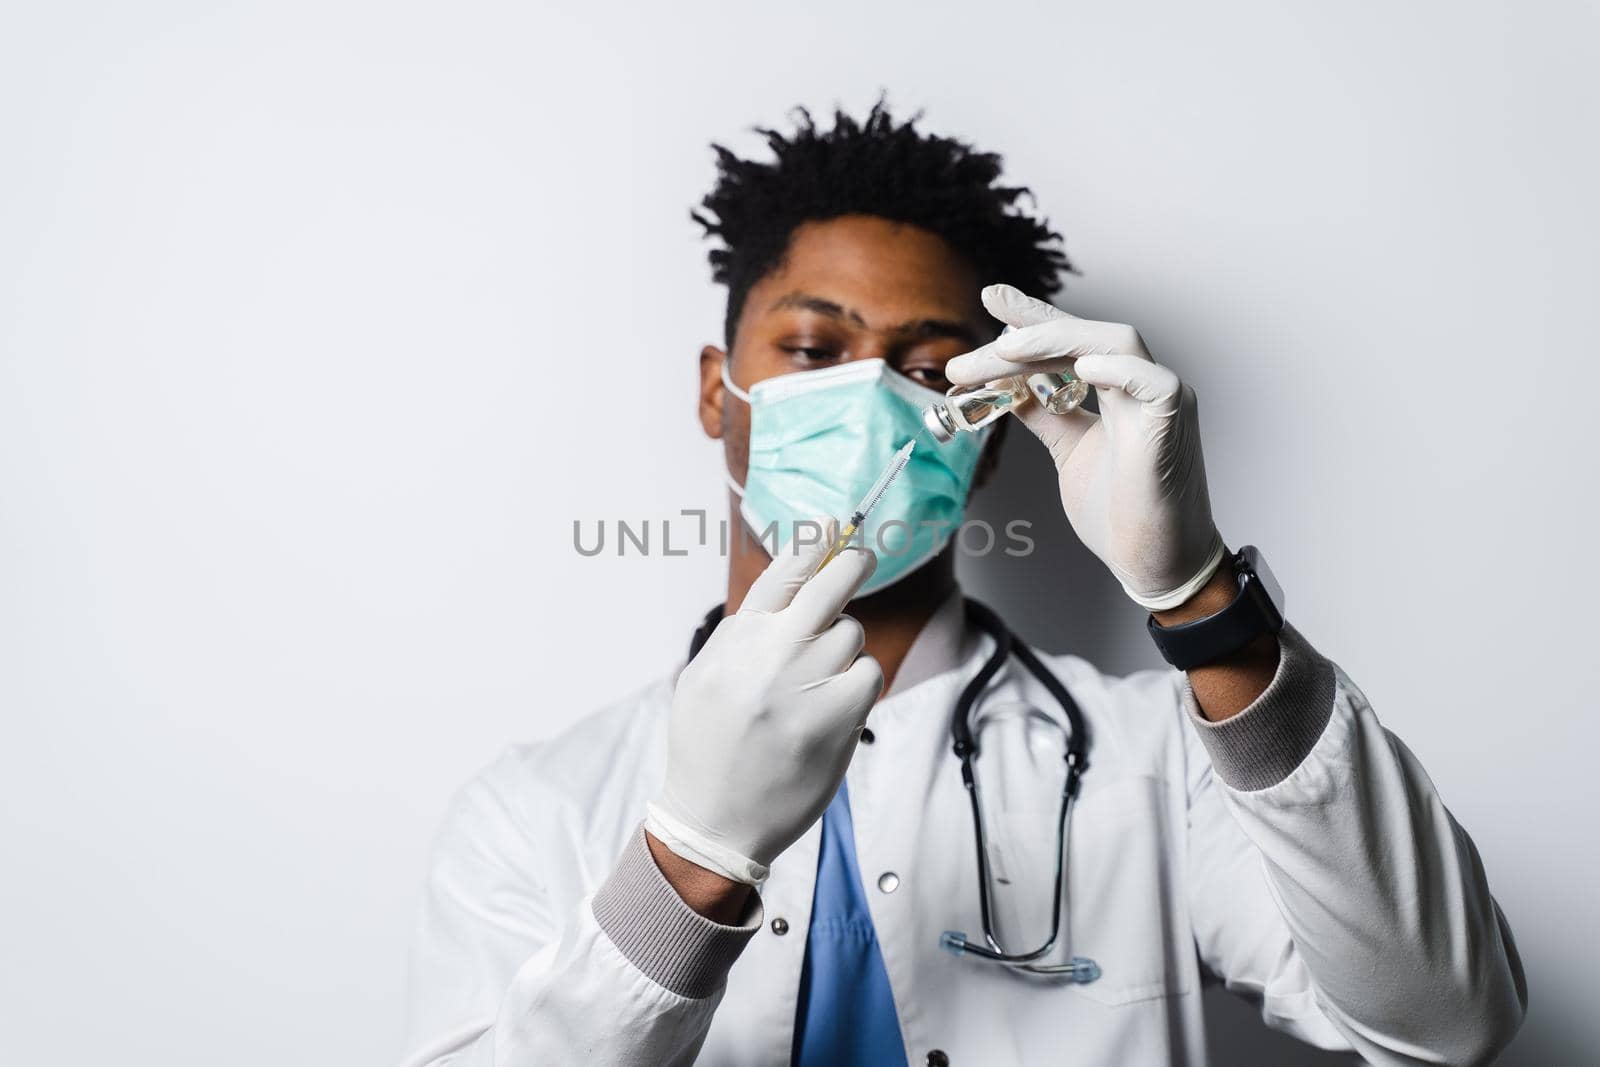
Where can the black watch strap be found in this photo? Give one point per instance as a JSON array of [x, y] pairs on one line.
[[1251, 614]]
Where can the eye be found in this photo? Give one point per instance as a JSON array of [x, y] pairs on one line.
[[810, 353], [928, 375]]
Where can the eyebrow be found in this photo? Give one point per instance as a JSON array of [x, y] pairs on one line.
[[806, 302], [925, 328], [916, 328]]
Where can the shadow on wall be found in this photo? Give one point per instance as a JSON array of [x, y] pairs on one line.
[[1061, 599]]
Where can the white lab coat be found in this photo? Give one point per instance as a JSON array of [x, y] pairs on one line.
[[1344, 898]]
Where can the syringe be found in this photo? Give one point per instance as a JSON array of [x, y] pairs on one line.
[[868, 502]]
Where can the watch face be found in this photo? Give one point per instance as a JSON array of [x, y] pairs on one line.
[[1253, 560]]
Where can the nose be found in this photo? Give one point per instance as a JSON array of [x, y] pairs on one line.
[[869, 346]]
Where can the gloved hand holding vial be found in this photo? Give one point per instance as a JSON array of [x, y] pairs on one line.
[[1132, 479]]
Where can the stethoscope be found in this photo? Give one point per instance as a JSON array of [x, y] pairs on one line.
[[1078, 969]]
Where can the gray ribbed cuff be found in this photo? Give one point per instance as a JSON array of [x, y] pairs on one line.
[[1264, 743], [675, 946]]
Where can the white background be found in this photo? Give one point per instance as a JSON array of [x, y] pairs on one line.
[[321, 323]]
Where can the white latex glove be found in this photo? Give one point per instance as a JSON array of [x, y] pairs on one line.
[[765, 719], [1133, 482]]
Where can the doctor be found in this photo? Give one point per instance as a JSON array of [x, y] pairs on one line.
[[752, 860]]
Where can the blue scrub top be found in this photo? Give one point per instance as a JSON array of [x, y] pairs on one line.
[[846, 1014]]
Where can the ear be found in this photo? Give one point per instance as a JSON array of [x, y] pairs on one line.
[[711, 390]]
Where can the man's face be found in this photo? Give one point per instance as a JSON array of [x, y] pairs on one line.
[[852, 288]]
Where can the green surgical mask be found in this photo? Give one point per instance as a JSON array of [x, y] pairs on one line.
[[818, 441]]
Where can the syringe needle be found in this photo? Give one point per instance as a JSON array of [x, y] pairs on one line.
[[868, 502]]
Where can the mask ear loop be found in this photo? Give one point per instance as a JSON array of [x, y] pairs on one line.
[[727, 380], [727, 383]]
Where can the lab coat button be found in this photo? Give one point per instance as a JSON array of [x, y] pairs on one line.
[[937, 1058], [888, 882], [780, 926], [867, 736]]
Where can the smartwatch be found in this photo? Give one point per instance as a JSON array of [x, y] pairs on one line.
[[1257, 610]]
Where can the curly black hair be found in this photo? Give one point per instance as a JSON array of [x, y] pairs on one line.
[[874, 167]]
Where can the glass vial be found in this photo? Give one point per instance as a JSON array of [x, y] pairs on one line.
[[1057, 391], [971, 408]]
